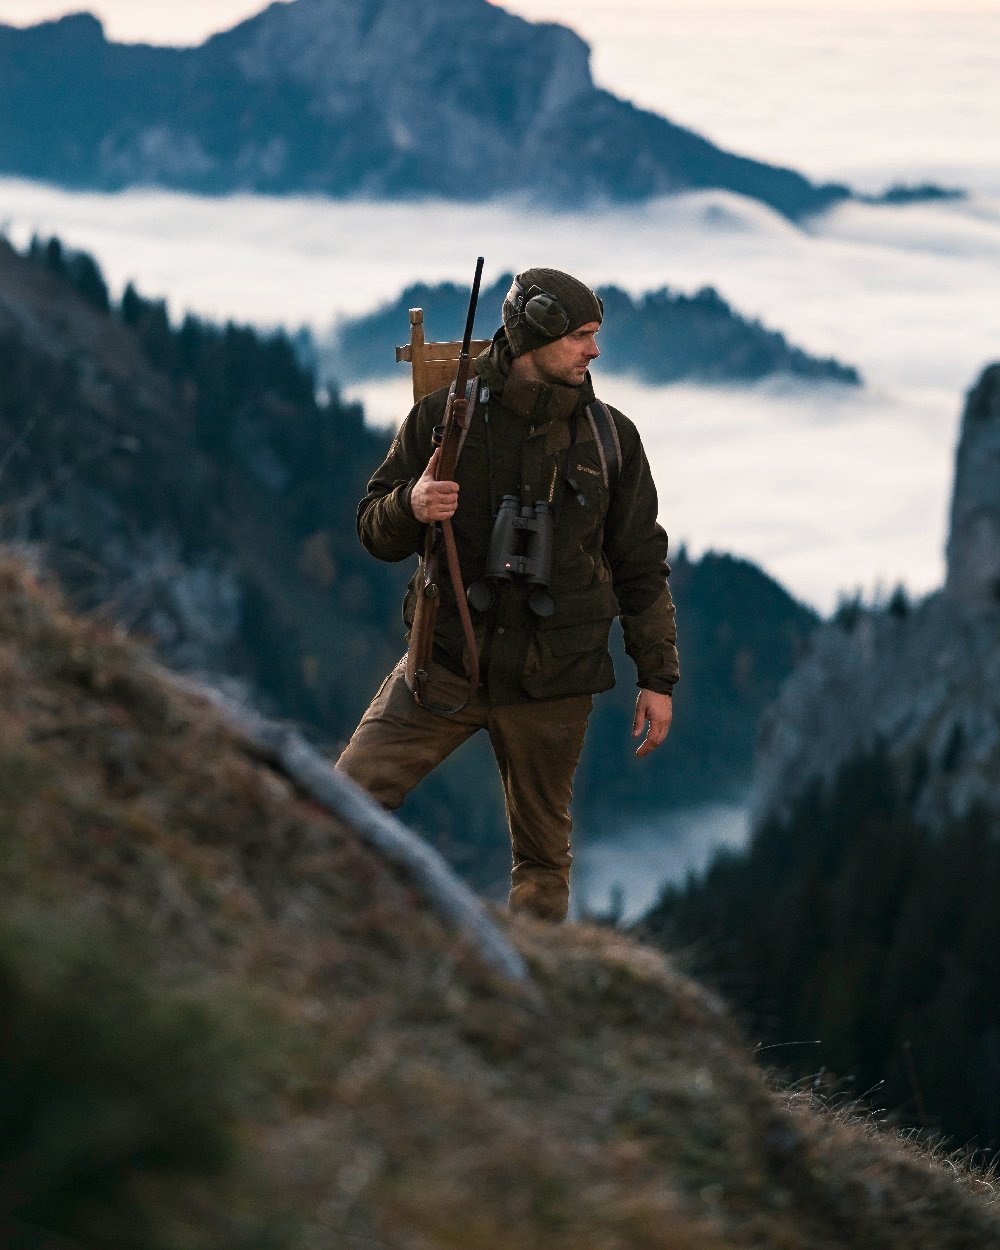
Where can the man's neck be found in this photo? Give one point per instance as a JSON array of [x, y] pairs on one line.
[[525, 369]]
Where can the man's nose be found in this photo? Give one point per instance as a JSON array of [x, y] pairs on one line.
[[593, 351]]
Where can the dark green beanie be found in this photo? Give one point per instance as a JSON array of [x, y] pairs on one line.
[[562, 294]]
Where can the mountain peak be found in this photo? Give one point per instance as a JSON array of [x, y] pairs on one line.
[[424, 65], [84, 26], [374, 98]]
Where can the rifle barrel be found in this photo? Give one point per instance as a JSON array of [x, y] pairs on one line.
[[467, 339]]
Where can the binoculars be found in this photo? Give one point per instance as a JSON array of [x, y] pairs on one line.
[[520, 550]]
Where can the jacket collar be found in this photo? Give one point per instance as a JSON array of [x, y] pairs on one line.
[[534, 401]]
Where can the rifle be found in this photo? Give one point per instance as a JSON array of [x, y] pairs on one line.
[[449, 437]]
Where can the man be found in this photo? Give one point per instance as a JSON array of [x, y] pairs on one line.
[[537, 435]]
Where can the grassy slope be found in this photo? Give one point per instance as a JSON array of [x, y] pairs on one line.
[[402, 1099]]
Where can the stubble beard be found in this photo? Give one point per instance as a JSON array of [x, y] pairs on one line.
[[566, 377]]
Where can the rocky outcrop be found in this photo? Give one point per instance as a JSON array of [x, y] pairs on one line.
[[381, 98], [974, 534], [924, 679]]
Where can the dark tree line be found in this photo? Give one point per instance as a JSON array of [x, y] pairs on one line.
[[850, 924], [78, 268]]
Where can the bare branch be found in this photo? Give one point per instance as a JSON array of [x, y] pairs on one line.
[[454, 902]]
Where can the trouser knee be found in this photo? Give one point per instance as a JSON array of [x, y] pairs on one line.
[[398, 743], [380, 783]]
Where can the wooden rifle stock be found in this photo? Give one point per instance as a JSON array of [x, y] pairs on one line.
[[449, 437]]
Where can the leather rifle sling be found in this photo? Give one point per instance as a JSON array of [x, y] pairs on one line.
[[455, 573]]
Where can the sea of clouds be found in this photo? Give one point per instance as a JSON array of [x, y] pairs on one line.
[[627, 872], [830, 488]]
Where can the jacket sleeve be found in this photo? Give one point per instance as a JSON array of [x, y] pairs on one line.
[[636, 548], [386, 525]]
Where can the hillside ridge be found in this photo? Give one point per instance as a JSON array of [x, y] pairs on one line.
[[389, 1092]]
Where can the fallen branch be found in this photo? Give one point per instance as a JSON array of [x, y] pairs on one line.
[[460, 908]]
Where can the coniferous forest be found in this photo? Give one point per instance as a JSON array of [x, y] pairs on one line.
[[860, 950], [188, 478]]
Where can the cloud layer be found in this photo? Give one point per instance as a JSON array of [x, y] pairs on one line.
[[828, 490]]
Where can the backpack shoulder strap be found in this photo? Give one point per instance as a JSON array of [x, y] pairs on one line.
[[609, 447]]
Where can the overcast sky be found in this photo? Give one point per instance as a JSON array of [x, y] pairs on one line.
[[190, 21]]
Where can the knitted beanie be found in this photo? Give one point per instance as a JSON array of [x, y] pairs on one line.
[[566, 293]]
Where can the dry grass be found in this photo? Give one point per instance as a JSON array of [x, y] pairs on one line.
[[405, 1099]]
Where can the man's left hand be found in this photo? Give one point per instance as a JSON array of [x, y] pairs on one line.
[[657, 710]]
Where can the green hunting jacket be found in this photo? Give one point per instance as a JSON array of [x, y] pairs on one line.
[[609, 552]]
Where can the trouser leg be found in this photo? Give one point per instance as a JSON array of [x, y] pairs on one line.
[[537, 746], [398, 742]]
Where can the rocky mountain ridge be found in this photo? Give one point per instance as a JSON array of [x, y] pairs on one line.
[[922, 679], [369, 98]]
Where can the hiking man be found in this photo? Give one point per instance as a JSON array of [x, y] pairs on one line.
[[544, 464]]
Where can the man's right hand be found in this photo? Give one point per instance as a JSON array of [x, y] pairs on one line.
[[432, 500]]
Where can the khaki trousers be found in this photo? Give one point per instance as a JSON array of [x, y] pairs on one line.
[[537, 747]]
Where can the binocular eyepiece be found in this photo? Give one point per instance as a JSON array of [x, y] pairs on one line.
[[520, 550]]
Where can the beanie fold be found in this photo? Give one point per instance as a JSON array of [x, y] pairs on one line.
[[556, 292]]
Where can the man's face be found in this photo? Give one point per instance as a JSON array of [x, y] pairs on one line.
[[565, 361]]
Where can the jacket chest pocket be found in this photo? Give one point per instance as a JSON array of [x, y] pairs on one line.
[[586, 499]]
